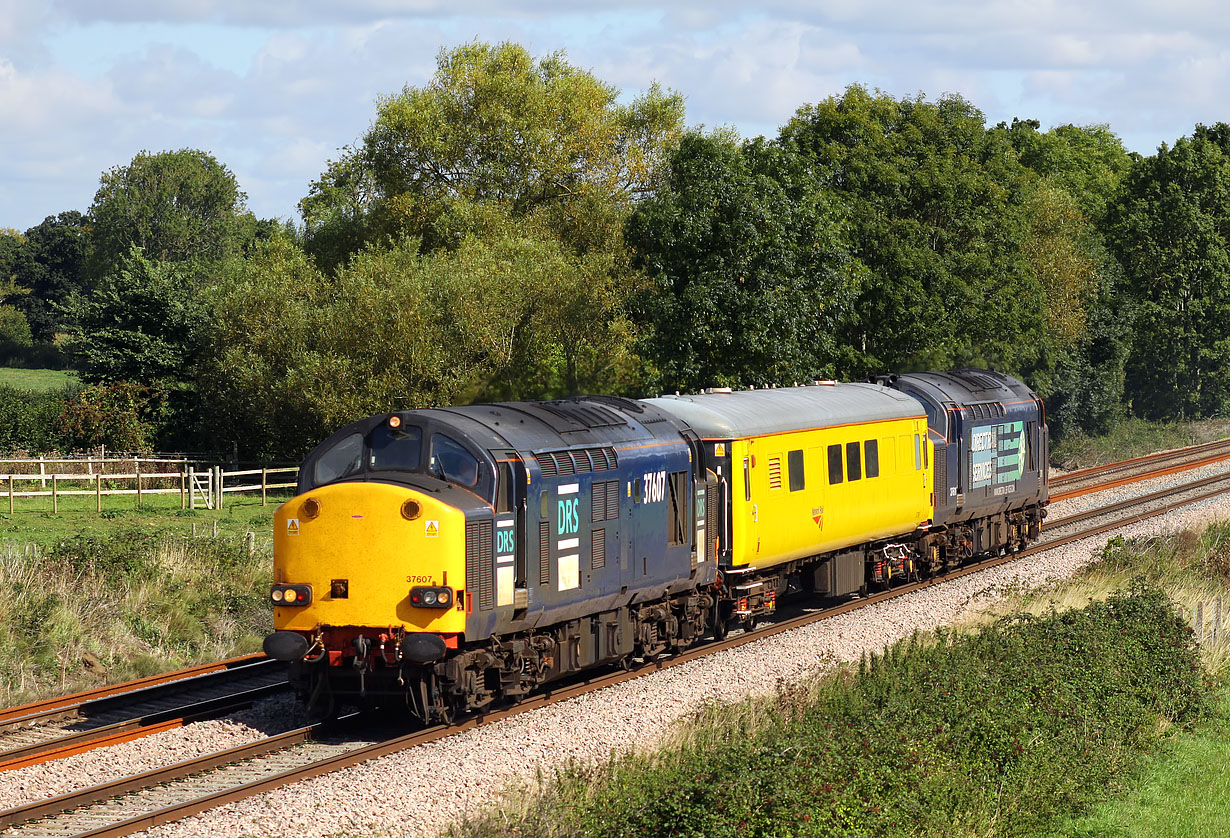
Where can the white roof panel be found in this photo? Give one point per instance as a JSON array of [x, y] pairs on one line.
[[748, 413]]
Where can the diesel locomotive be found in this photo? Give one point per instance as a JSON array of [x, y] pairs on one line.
[[443, 560]]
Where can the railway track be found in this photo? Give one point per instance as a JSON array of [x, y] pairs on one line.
[[164, 795], [1099, 478], [72, 724]]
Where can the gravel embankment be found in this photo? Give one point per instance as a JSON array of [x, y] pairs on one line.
[[417, 792]]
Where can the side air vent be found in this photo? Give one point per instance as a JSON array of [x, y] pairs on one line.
[[604, 505], [486, 571], [576, 461], [597, 552], [472, 553], [544, 553]]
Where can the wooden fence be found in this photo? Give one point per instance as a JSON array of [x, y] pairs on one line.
[[197, 485], [1206, 620]]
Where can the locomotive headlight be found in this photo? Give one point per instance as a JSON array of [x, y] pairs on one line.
[[276, 594], [290, 595], [423, 597], [310, 509]]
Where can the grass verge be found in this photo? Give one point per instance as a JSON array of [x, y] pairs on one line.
[[89, 610], [40, 381]]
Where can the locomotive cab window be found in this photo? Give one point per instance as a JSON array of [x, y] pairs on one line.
[[398, 448], [835, 468], [504, 488], [453, 462], [344, 458]]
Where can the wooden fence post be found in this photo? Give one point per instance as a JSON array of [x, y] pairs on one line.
[[182, 500], [42, 472], [10, 494], [264, 484], [55, 497], [136, 461], [191, 487], [98, 493], [218, 487]]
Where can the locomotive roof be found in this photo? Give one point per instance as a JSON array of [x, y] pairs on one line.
[[744, 413], [967, 386]]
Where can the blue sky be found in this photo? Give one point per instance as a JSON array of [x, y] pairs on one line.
[[274, 88]]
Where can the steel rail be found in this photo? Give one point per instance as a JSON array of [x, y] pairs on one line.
[[1137, 478], [39, 709], [130, 729], [1125, 465]]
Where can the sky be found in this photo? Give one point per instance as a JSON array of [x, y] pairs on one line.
[[274, 89]]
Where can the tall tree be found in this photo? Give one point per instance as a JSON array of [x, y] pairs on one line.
[[1170, 228], [176, 206], [52, 270], [937, 217], [539, 138], [748, 274]]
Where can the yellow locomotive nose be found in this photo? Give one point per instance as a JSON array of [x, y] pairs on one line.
[[369, 555]]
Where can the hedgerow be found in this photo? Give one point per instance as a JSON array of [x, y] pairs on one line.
[[997, 732]]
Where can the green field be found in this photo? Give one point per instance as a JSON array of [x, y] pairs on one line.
[[37, 380]]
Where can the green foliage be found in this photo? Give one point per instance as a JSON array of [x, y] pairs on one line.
[[999, 732], [51, 266], [1170, 229], [122, 416], [29, 420], [138, 324], [294, 354], [14, 328], [1088, 162], [749, 274], [176, 206], [937, 215], [537, 138]]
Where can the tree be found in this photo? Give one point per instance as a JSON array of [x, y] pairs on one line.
[[291, 354], [937, 216], [748, 272], [137, 325], [1170, 228], [1087, 162], [537, 138], [176, 206], [52, 269]]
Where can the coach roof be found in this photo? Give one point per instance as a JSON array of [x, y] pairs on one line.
[[746, 413]]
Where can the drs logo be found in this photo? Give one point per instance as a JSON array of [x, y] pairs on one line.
[[504, 541], [569, 515]]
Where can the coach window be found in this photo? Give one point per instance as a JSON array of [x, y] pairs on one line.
[[747, 480], [854, 465], [344, 458], [917, 453], [794, 462], [835, 470], [871, 458], [450, 460]]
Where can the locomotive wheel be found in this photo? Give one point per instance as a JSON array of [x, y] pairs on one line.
[[721, 627]]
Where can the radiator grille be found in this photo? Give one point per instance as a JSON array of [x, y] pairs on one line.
[[597, 553], [712, 498], [472, 553], [544, 553], [941, 478], [576, 461], [486, 586]]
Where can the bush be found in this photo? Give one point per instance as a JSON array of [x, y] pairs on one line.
[[995, 733], [30, 420]]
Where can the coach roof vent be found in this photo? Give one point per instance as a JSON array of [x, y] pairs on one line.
[[587, 415]]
